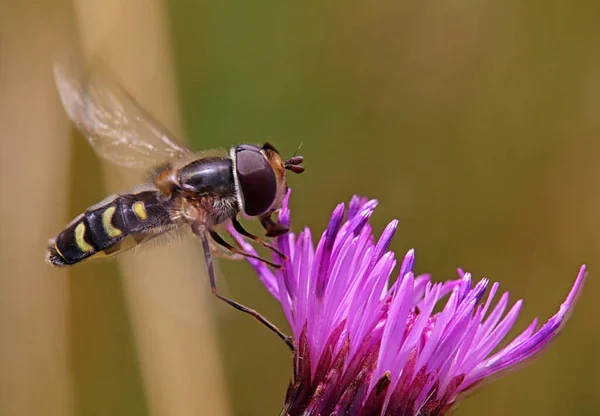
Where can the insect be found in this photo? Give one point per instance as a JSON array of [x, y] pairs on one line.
[[201, 191]]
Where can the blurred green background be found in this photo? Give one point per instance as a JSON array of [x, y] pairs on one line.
[[475, 123]]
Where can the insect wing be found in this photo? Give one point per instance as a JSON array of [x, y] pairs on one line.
[[116, 126]]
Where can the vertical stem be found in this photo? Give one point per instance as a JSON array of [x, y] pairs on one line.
[[166, 287], [34, 164]]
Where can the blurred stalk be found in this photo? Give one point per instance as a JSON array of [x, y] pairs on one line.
[[165, 288], [34, 163]]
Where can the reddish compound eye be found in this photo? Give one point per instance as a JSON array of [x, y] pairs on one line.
[[258, 184]]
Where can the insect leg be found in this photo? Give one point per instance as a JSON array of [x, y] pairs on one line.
[[238, 227], [273, 228], [238, 306], [221, 252], [219, 240]]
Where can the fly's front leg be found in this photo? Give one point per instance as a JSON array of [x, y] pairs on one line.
[[200, 230], [273, 228]]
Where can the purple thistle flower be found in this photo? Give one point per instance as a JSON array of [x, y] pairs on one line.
[[364, 347]]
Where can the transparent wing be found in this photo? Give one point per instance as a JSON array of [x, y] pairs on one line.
[[115, 125]]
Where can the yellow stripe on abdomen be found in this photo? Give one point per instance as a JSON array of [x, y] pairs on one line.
[[110, 229], [140, 210], [80, 238]]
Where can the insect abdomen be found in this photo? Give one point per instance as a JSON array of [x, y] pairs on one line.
[[103, 228]]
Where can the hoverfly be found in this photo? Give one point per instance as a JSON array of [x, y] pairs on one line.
[[186, 189]]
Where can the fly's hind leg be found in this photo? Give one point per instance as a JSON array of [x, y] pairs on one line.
[[199, 230]]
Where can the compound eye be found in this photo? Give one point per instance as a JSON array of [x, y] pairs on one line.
[[258, 184]]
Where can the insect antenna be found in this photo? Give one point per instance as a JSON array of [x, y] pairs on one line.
[[293, 163], [298, 149]]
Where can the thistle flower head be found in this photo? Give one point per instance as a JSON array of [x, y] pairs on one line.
[[364, 346]]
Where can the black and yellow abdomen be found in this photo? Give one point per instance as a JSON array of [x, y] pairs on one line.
[[111, 227]]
